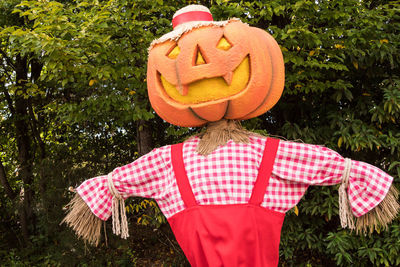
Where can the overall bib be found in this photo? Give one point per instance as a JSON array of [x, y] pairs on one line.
[[228, 235]]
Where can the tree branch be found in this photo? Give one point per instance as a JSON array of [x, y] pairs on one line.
[[9, 61], [4, 182], [36, 69], [35, 130], [9, 101]]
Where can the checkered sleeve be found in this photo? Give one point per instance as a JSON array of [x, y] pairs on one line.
[[96, 195], [318, 165], [144, 177]]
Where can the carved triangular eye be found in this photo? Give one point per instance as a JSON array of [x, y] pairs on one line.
[[199, 58], [224, 44], [174, 52]]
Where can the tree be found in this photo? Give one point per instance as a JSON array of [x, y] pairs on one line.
[[16, 89]]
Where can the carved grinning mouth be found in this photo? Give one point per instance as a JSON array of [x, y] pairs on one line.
[[210, 88]]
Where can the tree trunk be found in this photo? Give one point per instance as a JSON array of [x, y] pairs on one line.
[[24, 149], [36, 69], [144, 137], [4, 182]]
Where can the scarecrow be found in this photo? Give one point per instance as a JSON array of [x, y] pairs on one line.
[[225, 191]]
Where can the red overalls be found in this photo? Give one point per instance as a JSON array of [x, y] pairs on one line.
[[228, 235]]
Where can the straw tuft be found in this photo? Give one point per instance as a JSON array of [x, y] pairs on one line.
[[219, 133], [381, 216], [81, 219]]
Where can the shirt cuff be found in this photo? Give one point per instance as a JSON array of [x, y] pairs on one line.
[[368, 186], [96, 195]]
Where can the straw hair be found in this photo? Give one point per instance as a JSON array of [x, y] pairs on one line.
[[81, 219], [187, 27]]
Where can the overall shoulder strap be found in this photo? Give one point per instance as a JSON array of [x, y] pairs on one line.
[[264, 172], [181, 176]]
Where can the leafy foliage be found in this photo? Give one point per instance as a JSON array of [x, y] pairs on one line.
[[85, 92]]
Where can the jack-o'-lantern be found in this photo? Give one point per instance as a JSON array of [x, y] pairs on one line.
[[211, 72]]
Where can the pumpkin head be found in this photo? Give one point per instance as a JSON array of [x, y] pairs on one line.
[[211, 72]]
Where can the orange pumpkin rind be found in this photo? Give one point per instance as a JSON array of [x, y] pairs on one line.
[[208, 52]]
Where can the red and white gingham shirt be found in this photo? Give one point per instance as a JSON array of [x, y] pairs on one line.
[[227, 176]]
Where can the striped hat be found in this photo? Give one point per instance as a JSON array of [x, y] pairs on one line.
[[188, 18]]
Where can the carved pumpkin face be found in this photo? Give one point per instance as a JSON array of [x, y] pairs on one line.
[[210, 73]]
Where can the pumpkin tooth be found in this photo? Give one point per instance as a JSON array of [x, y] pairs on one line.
[[183, 89], [228, 77]]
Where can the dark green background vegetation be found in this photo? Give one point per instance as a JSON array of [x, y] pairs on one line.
[[73, 105]]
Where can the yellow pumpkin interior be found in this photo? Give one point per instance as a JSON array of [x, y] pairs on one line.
[[211, 88], [224, 44], [200, 60], [174, 52]]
